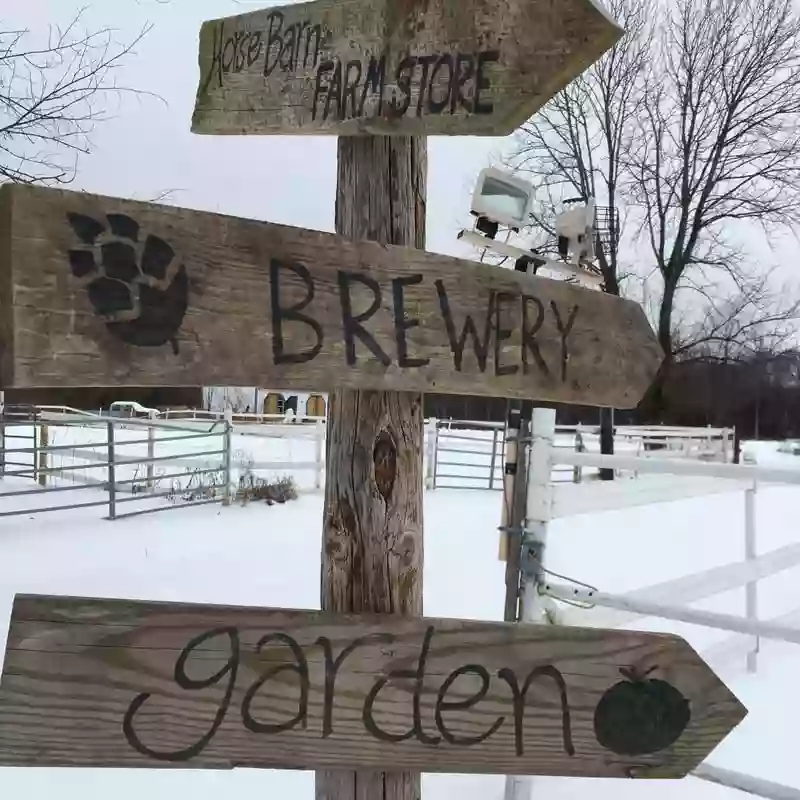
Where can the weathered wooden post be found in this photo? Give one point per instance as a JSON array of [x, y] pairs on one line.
[[372, 549]]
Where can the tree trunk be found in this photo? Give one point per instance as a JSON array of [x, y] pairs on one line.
[[653, 406], [665, 316], [372, 553]]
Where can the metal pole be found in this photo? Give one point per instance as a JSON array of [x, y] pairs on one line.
[[43, 442], [577, 472], [2, 435], [430, 444], [751, 588], [228, 497], [435, 446], [746, 783], [493, 462], [647, 608], [35, 447], [151, 450], [538, 508], [319, 454], [112, 476]]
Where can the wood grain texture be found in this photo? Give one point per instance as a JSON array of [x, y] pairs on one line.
[[372, 553], [75, 669], [192, 299], [478, 67]]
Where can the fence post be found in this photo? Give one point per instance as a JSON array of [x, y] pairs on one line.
[[35, 447], [433, 454], [580, 447], [538, 509], [751, 589], [493, 462], [226, 456], [112, 474], [433, 444], [2, 439], [44, 437], [151, 450], [319, 453]]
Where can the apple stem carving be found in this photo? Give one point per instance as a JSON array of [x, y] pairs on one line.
[[640, 715]]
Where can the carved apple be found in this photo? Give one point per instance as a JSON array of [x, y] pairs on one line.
[[640, 715]]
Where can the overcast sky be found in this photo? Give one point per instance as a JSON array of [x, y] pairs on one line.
[[147, 148]]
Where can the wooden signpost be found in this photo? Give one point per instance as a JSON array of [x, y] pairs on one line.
[[113, 683], [413, 67], [99, 291]]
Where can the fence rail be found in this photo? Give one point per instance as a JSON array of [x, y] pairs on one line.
[[660, 600], [110, 464], [469, 455], [669, 600]]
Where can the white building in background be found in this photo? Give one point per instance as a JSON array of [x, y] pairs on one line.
[[251, 400]]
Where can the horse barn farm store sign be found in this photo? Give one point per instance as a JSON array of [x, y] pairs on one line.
[[115, 683], [390, 66], [127, 293]]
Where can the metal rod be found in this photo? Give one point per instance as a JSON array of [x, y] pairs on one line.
[[462, 477], [167, 508], [2, 442], [112, 477], [707, 583], [134, 461], [171, 475], [44, 437], [53, 448], [746, 783], [52, 508], [138, 497], [74, 467], [48, 490], [160, 439], [151, 452], [228, 441], [35, 451], [725, 622]]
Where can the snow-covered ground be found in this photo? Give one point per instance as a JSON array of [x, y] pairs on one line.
[[268, 556]]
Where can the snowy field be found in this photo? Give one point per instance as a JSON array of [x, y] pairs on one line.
[[269, 556]]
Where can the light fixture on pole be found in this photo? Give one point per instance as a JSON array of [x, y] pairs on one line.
[[502, 200]]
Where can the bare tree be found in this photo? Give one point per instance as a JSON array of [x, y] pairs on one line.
[[717, 148], [52, 95], [758, 317], [687, 128], [576, 146]]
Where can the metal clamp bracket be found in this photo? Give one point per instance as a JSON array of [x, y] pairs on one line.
[[530, 562]]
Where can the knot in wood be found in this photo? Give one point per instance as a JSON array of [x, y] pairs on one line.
[[384, 454]]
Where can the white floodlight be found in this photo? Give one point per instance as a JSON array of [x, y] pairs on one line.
[[502, 198], [575, 230]]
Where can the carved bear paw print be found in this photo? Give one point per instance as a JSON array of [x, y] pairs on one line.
[[138, 287]]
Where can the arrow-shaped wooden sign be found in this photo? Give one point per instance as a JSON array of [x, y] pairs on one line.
[[112, 683], [415, 67], [96, 291]]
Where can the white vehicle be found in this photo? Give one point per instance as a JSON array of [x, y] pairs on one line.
[[132, 409]]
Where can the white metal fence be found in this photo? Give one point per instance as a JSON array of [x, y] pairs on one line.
[[469, 455], [670, 600]]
